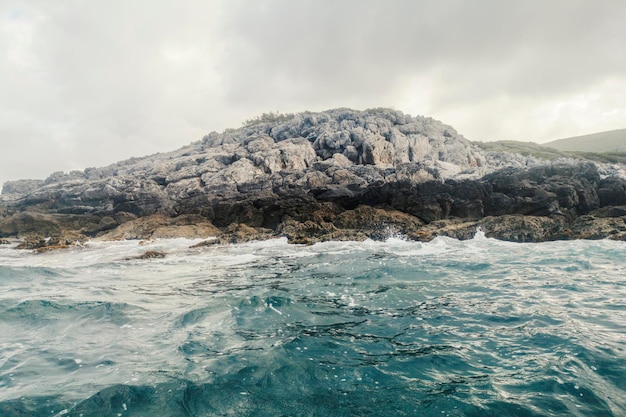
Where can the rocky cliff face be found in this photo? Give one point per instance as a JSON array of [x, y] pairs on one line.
[[280, 172], [335, 150]]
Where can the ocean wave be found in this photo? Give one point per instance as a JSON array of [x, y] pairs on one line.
[[41, 311], [459, 328]]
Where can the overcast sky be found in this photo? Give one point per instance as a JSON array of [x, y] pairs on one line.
[[87, 83]]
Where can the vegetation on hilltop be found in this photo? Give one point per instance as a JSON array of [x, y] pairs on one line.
[[522, 148], [601, 142], [271, 117], [615, 157], [547, 153]]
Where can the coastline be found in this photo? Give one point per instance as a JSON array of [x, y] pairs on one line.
[[359, 224], [311, 177]]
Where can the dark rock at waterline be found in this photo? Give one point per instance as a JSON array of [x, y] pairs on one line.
[[340, 174], [530, 205], [150, 254]]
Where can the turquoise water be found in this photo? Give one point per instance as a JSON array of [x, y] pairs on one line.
[[446, 328]]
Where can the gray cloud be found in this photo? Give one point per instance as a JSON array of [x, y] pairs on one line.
[[88, 83], [536, 48]]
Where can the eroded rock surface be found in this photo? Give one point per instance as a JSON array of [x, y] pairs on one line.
[[340, 174]]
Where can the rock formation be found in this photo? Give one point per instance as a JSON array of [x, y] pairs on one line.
[[340, 174]]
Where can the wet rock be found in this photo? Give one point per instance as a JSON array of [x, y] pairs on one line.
[[161, 226], [150, 254], [591, 227], [519, 228], [377, 223], [454, 228], [240, 233], [237, 233], [52, 248], [28, 223], [32, 242], [41, 244], [307, 232]]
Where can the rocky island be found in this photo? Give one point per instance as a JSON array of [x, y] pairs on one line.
[[334, 175]]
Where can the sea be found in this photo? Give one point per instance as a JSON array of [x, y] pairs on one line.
[[396, 328]]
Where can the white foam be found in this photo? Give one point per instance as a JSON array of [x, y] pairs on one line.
[[178, 251], [275, 309]]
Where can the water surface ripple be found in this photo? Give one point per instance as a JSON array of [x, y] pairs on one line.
[[446, 328]]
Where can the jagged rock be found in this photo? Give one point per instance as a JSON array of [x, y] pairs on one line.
[[519, 228], [317, 176], [16, 189], [49, 248], [377, 223], [240, 233], [237, 233], [611, 211], [307, 232], [591, 227], [612, 191], [160, 226], [251, 159], [331, 222], [454, 228], [552, 189], [32, 242], [26, 223], [41, 243], [150, 254]]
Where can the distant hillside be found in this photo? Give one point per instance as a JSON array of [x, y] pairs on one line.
[[613, 140], [522, 148], [534, 150]]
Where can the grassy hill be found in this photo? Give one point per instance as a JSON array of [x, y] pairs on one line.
[[549, 153], [613, 140], [522, 148]]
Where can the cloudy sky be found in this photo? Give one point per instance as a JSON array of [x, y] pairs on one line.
[[86, 83]]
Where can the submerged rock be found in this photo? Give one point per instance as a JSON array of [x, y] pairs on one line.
[[41, 243], [150, 254]]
